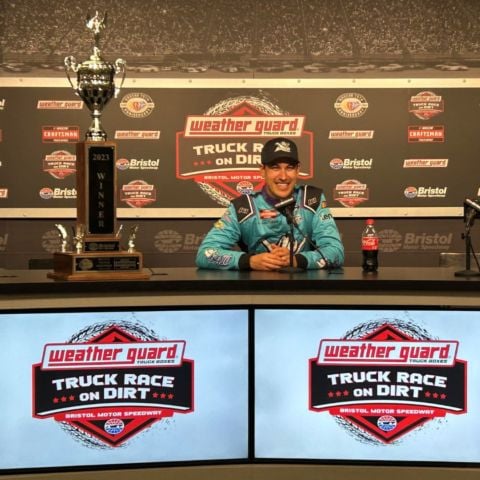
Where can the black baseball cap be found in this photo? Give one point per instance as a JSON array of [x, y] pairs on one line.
[[279, 149]]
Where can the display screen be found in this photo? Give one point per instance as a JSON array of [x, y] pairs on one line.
[[97, 388], [367, 385]]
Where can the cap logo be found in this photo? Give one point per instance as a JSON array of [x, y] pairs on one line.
[[282, 147]]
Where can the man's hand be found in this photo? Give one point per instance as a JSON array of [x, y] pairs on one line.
[[277, 258]]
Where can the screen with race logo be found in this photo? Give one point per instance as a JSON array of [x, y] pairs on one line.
[[367, 385], [92, 388]]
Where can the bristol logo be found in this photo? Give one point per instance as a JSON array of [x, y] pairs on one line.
[[387, 378], [111, 381]]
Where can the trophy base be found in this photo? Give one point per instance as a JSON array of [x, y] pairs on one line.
[[91, 266], [101, 243]]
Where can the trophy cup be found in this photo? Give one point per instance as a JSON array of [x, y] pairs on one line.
[[97, 253]]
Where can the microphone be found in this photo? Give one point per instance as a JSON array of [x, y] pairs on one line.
[[472, 204], [471, 210], [290, 201], [286, 208]]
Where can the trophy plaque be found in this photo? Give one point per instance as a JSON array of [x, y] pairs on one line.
[[96, 252]]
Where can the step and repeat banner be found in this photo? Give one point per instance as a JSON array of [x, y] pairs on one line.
[[185, 149], [188, 151]]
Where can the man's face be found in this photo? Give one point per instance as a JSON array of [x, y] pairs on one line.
[[280, 178]]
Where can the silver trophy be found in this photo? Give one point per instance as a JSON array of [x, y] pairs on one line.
[[131, 239], [79, 237], [64, 237], [96, 79]]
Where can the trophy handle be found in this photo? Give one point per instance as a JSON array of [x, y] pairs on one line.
[[70, 64], [120, 67]]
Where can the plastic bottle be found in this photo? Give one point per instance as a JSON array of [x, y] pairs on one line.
[[369, 247]]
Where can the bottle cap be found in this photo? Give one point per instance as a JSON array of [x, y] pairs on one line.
[[370, 221]]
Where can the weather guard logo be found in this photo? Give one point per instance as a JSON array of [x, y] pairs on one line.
[[220, 150], [351, 134], [111, 382], [386, 378], [59, 105], [425, 163], [137, 134]]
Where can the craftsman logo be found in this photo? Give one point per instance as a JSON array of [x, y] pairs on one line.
[[221, 149], [112, 382], [60, 134], [426, 133], [351, 105], [425, 105], [386, 378]]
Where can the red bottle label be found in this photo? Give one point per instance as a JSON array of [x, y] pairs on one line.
[[369, 243]]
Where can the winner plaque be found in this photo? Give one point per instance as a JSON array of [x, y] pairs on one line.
[[96, 252]]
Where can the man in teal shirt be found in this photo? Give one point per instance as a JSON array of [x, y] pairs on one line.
[[255, 231]]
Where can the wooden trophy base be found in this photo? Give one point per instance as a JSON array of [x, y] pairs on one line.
[[91, 266]]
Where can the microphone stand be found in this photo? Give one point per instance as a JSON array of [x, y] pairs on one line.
[[291, 237], [469, 219]]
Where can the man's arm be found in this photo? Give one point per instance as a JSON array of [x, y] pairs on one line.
[[218, 249], [326, 237]]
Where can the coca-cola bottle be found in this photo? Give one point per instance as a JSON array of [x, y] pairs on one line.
[[369, 247]]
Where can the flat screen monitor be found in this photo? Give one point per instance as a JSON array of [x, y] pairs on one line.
[[375, 385], [96, 388]]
